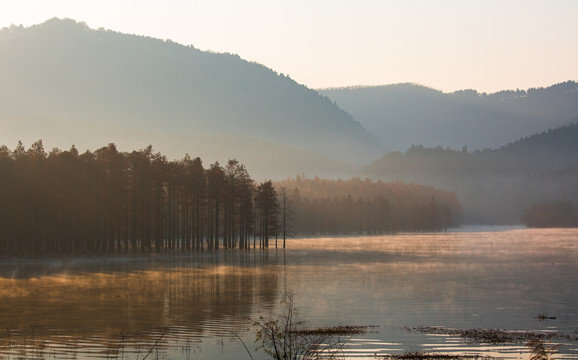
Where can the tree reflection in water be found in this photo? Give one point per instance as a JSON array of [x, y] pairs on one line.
[[108, 306]]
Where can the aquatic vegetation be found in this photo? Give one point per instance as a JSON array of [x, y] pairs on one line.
[[287, 337], [417, 355], [541, 351], [494, 336], [336, 330]]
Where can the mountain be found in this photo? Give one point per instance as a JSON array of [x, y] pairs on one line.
[[65, 83], [494, 186], [403, 115]]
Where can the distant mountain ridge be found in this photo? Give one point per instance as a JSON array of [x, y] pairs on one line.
[[403, 115], [66, 83]]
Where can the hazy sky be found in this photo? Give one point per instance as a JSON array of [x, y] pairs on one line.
[[486, 45]]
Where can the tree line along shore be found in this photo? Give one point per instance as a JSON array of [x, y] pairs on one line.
[[111, 201]]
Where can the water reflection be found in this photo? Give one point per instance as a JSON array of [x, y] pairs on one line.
[[186, 305], [105, 303]]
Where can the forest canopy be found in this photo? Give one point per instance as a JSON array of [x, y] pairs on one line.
[[111, 201]]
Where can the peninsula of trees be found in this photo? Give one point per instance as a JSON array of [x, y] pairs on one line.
[[111, 201], [361, 206]]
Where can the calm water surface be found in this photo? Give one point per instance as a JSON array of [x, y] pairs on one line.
[[194, 305]]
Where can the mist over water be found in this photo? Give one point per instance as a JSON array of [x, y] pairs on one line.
[[188, 305]]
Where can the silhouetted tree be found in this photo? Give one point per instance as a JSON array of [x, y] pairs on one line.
[[215, 185], [286, 214], [267, 207]]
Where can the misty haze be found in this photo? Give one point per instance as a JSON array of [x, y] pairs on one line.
[[161, 201]]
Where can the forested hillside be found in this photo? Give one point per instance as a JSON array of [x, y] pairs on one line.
[[66, 83], [403, 115], [494, 186]]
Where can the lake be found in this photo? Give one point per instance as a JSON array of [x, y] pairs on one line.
[[198, 305]]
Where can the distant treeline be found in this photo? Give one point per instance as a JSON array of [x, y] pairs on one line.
[[110, 201], [551, 214], [357, 206]]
